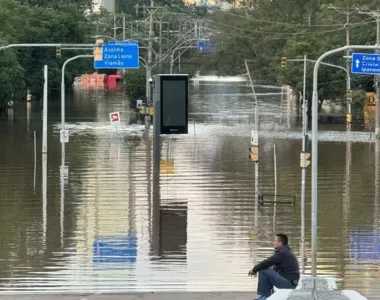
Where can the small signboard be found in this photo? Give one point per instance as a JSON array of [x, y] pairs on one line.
[[254, 138], [206, 46], [115, 117], [139, 102], [64, 136]]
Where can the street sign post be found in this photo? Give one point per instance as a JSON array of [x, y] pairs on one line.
[[118, 55], [64, 136], [254, 138], [115, 117], [365, 63]]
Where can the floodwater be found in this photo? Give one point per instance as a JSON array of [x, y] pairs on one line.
[[91, 229]]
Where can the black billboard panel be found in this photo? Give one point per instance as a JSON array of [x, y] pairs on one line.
[[174, 91]]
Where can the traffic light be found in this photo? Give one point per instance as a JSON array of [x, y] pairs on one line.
[[305, 159], [98, 52], [58, 52], [283, 62], [349, 96], [254, 153]]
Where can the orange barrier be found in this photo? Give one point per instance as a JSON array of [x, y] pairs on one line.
[[94, 80]]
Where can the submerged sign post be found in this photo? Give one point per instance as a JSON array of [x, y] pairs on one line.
[[115, 120], [64, 136], [118, 55], [115, 117], [365, 63]]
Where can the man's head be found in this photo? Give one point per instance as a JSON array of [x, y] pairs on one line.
[[280, 240]]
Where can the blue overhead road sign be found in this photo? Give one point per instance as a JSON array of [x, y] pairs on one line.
[[365, 63], [119, 55], [206, 46]]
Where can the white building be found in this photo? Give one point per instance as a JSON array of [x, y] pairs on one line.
[[109, 5]]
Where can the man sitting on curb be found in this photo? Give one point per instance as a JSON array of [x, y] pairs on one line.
[[285, 272]]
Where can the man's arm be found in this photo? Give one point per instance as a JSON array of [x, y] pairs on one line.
[[267, 263]]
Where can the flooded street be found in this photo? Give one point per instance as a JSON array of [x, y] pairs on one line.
[[92, 231]]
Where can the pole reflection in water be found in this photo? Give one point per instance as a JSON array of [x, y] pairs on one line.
[[346, 201], [44, 198], [28, 114], [377, 186], [35, 161], [275, 188], [62, 176], [156, 174], [289, 107]]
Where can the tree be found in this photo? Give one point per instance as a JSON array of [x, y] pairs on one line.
[[11, 78], [23, 23], [274, 29]]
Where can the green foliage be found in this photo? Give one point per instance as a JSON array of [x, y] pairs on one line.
[[24, 23], [11, 77], [274, 29], [135, 85]]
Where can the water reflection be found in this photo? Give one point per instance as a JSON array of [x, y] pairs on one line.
[[95, 225], [44, 198]]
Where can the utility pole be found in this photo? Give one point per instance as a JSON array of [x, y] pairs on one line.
[[160, 44], [347, 13], [123, 27], [150, 46], [114, 25], [124, 36], [376, 16]]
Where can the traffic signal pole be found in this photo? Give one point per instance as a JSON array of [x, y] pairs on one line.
[[303, 163], [255, 137]]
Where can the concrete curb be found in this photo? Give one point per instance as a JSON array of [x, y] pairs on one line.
[[136, 296]]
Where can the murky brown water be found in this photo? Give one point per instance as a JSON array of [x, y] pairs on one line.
[[92, 231]]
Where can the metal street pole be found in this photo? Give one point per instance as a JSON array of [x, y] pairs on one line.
[[349, 96], [123, 27], [45, 112], [44, 157], [172, 59], [3, 47], [171, 62], [314, 171], [114, 25], [62, 169], [156, 88], [257, 128], [322, 63], [347, 12], [150, 46], [63, 91], [303, 174], [124, 36], [348, 83], [160, 46], [377, 83]]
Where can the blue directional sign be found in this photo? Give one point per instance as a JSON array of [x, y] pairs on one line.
[[364, 246], [206, 46], [365, 63], [115, 249], [119, 55]]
